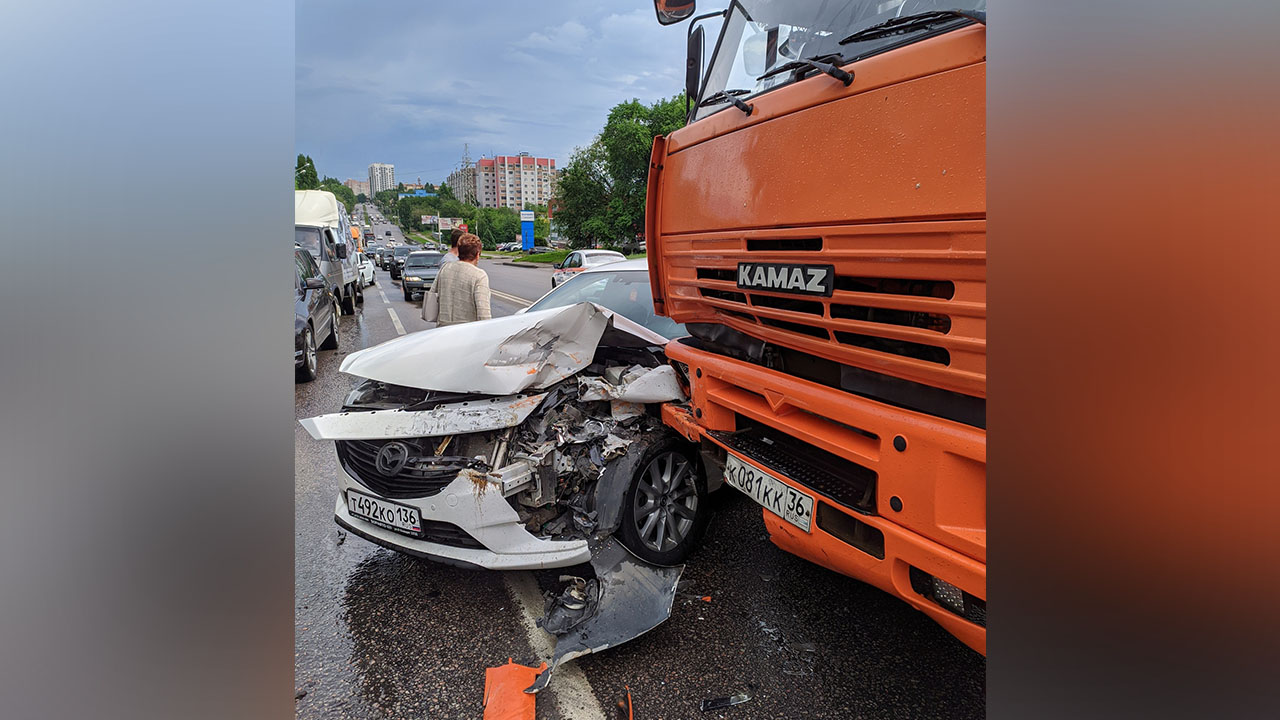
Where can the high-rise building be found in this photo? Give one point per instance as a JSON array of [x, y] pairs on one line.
[[462, 182], [358, 186], [512, 181], [382, 176]]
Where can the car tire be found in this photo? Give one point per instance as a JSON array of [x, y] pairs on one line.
[[349, 300], [306, 372], [408, 296], [359, 292], [668, 491], [553, 283], [331, 342]]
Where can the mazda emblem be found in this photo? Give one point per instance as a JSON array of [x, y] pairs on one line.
[[392, 458]]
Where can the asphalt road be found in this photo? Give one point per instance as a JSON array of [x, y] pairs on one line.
[[381, 635]]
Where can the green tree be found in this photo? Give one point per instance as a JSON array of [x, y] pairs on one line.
[[361, 198], [343, 193], [446, 193], [601, 190], [304, 174]]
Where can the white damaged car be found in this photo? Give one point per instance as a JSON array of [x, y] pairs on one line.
[[518, 442]]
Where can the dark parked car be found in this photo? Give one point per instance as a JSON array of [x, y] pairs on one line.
[[396, 261], [315, 312], [419, 273]]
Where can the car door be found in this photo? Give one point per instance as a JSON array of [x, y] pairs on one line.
[[572, 263], [320, 302]]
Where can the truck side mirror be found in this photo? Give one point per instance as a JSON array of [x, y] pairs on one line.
[[671, 12], [341, 249], [693, 64]]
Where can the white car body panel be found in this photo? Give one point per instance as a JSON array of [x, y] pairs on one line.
[[501, 356], [485, 516], [448, 419]]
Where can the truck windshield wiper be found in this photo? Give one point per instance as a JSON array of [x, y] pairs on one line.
[[814, 63], [729, 96], [897, 25]]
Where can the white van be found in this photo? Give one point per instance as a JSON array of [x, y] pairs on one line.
[[322, 227]]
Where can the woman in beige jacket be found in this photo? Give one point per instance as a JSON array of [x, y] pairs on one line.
[[462, 287]]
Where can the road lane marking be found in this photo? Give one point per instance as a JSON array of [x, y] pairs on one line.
[[384, 298], [512, 298], [573, 694], [395, 320]]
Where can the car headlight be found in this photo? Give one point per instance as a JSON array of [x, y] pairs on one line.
[[413, 278]]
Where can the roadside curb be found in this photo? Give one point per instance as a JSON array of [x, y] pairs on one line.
[[522, 264]]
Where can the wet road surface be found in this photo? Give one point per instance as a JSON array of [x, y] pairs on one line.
[[382, 635]]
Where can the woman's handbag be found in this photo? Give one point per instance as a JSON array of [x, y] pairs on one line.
[[431, 305]]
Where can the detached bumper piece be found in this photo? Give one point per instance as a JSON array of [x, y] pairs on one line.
[[628, 598]]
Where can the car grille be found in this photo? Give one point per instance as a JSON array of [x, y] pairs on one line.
[[443, 533], [423, 475]]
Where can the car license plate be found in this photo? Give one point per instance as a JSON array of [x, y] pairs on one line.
[[392, 516], [778, 497]]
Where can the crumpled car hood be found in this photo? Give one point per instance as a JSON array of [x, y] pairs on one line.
[[502, 356]]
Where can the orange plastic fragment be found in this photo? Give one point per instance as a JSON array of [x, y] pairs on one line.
[[504, 696]]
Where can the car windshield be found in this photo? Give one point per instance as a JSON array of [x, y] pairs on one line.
[[401, 251], [763, 35], [624, 292], [309, 239], [428, 260]]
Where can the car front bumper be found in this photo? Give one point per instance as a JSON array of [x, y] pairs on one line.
[[485, 516]]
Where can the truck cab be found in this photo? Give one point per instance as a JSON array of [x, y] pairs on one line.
[[820, 228], [322, 227]]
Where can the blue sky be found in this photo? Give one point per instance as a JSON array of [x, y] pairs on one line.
[[409, 82]]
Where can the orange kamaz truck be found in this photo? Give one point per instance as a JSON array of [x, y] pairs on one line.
[[820, 227]]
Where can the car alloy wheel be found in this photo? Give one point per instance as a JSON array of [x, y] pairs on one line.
[[666, 502]]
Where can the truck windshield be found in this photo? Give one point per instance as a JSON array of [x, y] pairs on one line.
[[763, 35], [309, 239]]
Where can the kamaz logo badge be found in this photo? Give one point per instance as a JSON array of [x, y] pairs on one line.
[[786, 277]]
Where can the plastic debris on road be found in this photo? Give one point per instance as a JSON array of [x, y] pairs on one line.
[[504, 696]]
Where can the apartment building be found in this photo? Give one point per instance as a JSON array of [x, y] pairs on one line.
[[382, 176], [511, 181], [358, 186]]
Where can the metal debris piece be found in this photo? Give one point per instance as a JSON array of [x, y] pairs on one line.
[[634, 597], [637, 384], [623, 410], [724, 702]]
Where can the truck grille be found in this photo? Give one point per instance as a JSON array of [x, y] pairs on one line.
[[423, 475], [908, 300], [827, 474]]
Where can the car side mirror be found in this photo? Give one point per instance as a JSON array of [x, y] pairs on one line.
[[314, 283], [341, 249]]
